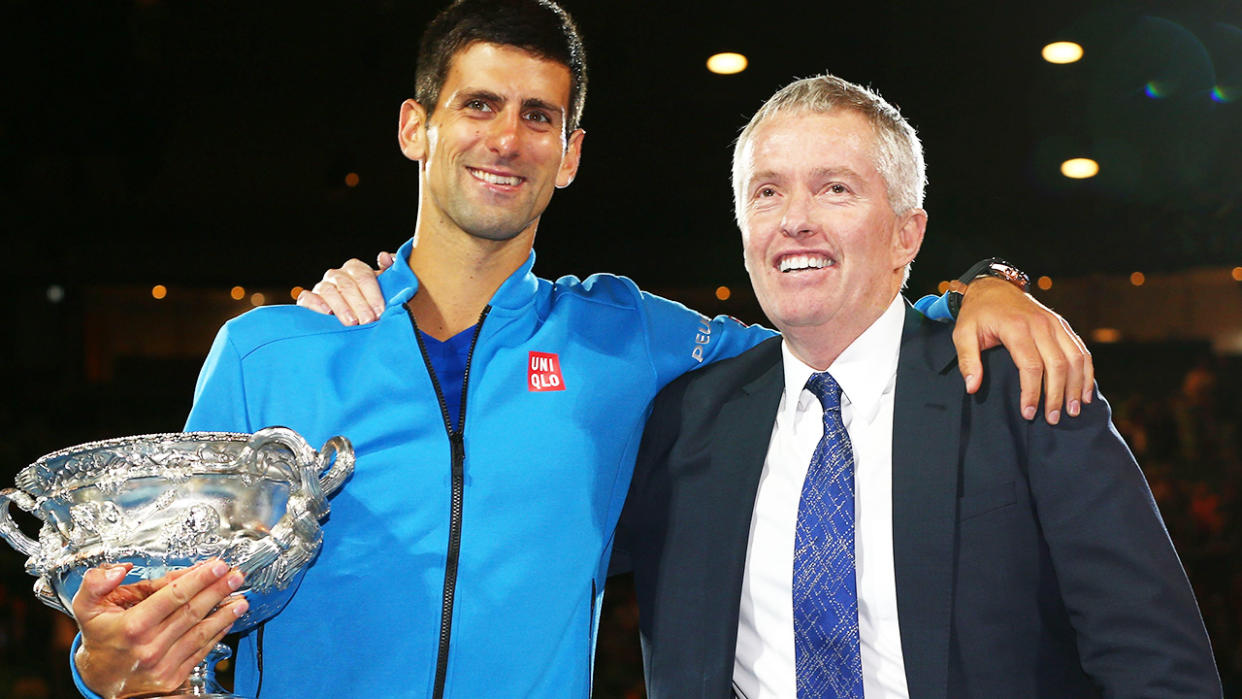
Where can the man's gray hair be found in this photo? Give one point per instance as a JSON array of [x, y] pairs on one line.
[[898, 156]]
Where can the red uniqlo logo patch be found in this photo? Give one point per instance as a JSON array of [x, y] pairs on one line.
[[543, 372]]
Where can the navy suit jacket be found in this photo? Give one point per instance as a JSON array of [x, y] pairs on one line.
[[1030, 559]]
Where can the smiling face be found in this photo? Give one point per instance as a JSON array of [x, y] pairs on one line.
[[495, 148], [824, 249]]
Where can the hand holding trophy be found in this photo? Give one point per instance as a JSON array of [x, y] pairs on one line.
[[173, 524]]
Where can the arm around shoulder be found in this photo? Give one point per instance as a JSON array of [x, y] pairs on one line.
[[682, 339]]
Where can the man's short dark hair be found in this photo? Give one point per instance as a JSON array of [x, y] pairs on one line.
[[539, 27]]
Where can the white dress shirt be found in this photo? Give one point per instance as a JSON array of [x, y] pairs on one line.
[[867, 373]]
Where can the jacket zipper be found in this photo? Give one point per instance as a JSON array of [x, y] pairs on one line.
[[458, 446], [591, 643]]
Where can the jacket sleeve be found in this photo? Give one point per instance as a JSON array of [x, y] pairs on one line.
[[220, 395], [73, 669], [935, 307], [1138, 626], [680, 339]]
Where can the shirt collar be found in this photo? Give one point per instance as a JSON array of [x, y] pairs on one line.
[[398, 283], [866, 370]]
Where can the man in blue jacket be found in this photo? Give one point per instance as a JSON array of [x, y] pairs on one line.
[[496, 415]]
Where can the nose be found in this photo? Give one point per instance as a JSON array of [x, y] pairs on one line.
[[504, 133], [797, 220]]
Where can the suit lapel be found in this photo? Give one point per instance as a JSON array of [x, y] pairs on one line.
[[926, 434], [739, 441]]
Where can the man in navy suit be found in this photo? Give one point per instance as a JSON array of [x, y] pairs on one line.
[[985, 555]]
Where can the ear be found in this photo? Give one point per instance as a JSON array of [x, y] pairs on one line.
[[908, 237], [569, 162], [412, 131]]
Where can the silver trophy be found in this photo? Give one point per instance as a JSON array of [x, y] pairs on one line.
[[164, 502]]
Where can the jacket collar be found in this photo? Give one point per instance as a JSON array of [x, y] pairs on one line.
[[398, 283]]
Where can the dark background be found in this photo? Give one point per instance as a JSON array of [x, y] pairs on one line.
[[207, 142], [203, 144]]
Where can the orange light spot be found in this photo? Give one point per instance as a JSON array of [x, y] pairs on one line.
[[1138, 278], [257, 299], [1106, 335], [295, 292], [237, 293], [159, 291], [942, 287], [723, 293], [351, 180], [1237, 274], [1044, 283]]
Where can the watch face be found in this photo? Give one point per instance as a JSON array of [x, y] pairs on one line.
[[1011, 274], [996, 267]]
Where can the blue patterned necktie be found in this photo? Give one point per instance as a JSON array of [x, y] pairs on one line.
[[825, 591]]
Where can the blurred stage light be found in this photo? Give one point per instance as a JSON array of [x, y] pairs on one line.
[[1157, 90], [723, 293], [237, 293], [159, 291], [1106, 335], [351, 180], [1138, 278], [1223, 94], [1044, 283], [1080, 168], [257, 299], [1237, 274], [942, 287], [56, 293], [727, 63], [295, 292], [1062, 52]]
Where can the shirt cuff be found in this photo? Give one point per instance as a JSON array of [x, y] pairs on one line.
[[935, 307], [73, 669]]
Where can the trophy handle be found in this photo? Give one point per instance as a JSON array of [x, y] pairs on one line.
[[47, 594], [8, 528], [274, 560], [331, 479]]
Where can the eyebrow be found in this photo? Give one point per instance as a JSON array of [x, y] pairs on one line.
[[485, 95], [819, 172], [841, 171], [528, 103], [536, 103]]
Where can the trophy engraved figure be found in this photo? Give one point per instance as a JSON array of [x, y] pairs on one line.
[[164, 502]]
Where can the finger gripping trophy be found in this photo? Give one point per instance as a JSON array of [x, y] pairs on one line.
[[164, 502]]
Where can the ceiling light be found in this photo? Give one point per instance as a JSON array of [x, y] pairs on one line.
[[727, 63], [1080, 168], [1062, 52]]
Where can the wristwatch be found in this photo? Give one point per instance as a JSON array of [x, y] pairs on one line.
[[991, 267]]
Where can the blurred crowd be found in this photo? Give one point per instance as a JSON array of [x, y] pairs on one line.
[[1177, 407], [1190, 446]]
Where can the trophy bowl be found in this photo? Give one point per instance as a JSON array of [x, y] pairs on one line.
[[164, 502]]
